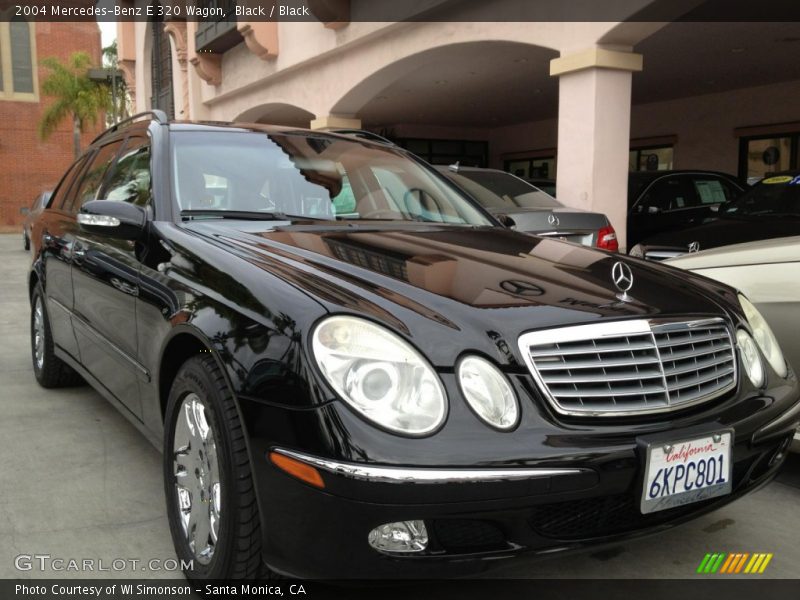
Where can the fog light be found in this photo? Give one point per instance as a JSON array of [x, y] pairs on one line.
[[403, 536]]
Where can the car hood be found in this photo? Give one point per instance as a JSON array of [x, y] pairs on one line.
[[489, 283], [724, 232], [778, 250]]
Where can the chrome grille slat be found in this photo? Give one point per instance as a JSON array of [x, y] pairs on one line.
[[632, 367], [673, 370], [591, 348], [604, 378], [702, 379], [598, 363], [691, 353], [684, 341], [615, 393]]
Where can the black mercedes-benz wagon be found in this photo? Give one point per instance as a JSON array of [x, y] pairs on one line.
[[352, 370]]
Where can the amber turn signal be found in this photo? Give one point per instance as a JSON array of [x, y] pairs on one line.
[[297, 469]]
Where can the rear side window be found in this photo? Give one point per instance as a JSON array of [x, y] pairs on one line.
[[94, 175], [130, 181]]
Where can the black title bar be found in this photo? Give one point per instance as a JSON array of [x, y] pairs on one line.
[[346, 11]]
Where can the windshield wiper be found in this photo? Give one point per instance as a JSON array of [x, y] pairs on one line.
[[244, 215]]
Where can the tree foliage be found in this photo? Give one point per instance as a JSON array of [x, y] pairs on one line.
[[76, 96]]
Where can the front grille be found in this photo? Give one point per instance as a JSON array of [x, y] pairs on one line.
[[596, 517], [631, 367], [588, 518]]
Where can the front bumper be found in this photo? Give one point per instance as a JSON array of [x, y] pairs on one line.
[[474, 522]]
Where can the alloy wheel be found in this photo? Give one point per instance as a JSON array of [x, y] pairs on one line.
[[38, 333], [197, 478]]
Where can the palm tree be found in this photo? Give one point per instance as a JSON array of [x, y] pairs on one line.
[[76, 96], [118, 88]]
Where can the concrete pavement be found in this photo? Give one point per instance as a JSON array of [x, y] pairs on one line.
[[77, 481]]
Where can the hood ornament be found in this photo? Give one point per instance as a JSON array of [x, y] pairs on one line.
[[622, 276], [694, 247], [552, 220]]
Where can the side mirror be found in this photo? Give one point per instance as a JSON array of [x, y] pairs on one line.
[[24, 210], [506, 221], [112, 218], [721, 208]]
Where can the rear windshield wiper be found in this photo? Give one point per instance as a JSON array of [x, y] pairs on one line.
[[243, 215]]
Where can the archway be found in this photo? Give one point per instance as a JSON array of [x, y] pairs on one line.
[[470, 84], [276, 113]]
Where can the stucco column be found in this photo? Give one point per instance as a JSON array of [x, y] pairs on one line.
[[335, 122], [594, 120]]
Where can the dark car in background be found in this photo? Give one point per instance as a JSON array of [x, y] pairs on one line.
[[526, 208], [409, 390], [770, 209], [660, 201], [30, 216]]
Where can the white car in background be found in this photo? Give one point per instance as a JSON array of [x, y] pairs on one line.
[[768, 273]]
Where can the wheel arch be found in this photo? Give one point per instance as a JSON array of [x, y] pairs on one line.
[[34, 277], [184, 343]]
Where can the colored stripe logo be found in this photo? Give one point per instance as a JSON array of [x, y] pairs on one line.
[[734, 563]]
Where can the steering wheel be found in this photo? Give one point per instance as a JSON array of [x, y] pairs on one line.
[[418, 212]]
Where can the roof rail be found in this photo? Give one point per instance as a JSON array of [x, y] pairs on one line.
[[158, 115], [363, 134]]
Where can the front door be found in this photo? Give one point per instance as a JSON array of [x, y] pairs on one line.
[[105, 275]]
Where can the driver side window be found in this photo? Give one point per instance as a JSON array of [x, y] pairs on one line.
[[666, 195], [130, 181]]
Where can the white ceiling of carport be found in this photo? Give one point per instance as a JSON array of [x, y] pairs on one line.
[[489, 84]]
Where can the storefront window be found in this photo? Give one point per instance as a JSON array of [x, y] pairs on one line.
[[650, 159], [760, 156], [532, 168], [446, 152]]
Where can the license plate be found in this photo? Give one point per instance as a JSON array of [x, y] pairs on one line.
[[686, 471]]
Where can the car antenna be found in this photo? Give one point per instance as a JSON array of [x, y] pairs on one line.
[[455, 166]]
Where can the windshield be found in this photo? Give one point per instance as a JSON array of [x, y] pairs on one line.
[[305, 176], [777, 196], [503, 191]]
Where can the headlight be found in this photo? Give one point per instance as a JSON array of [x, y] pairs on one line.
[[637, 251], [764, 337], [750, 357], [380, 375], [488, 392]]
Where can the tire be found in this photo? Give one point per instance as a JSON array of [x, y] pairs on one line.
[[49, 370], [205, 456]]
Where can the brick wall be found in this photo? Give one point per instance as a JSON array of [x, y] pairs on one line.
[[29, 166]]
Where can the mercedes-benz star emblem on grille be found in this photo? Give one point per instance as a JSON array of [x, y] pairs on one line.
[[622, 277], [552, 220], [694, 247], [521, 288]]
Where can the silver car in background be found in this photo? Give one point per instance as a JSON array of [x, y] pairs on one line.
[[520, 205], [30, 215], [768, 273]]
